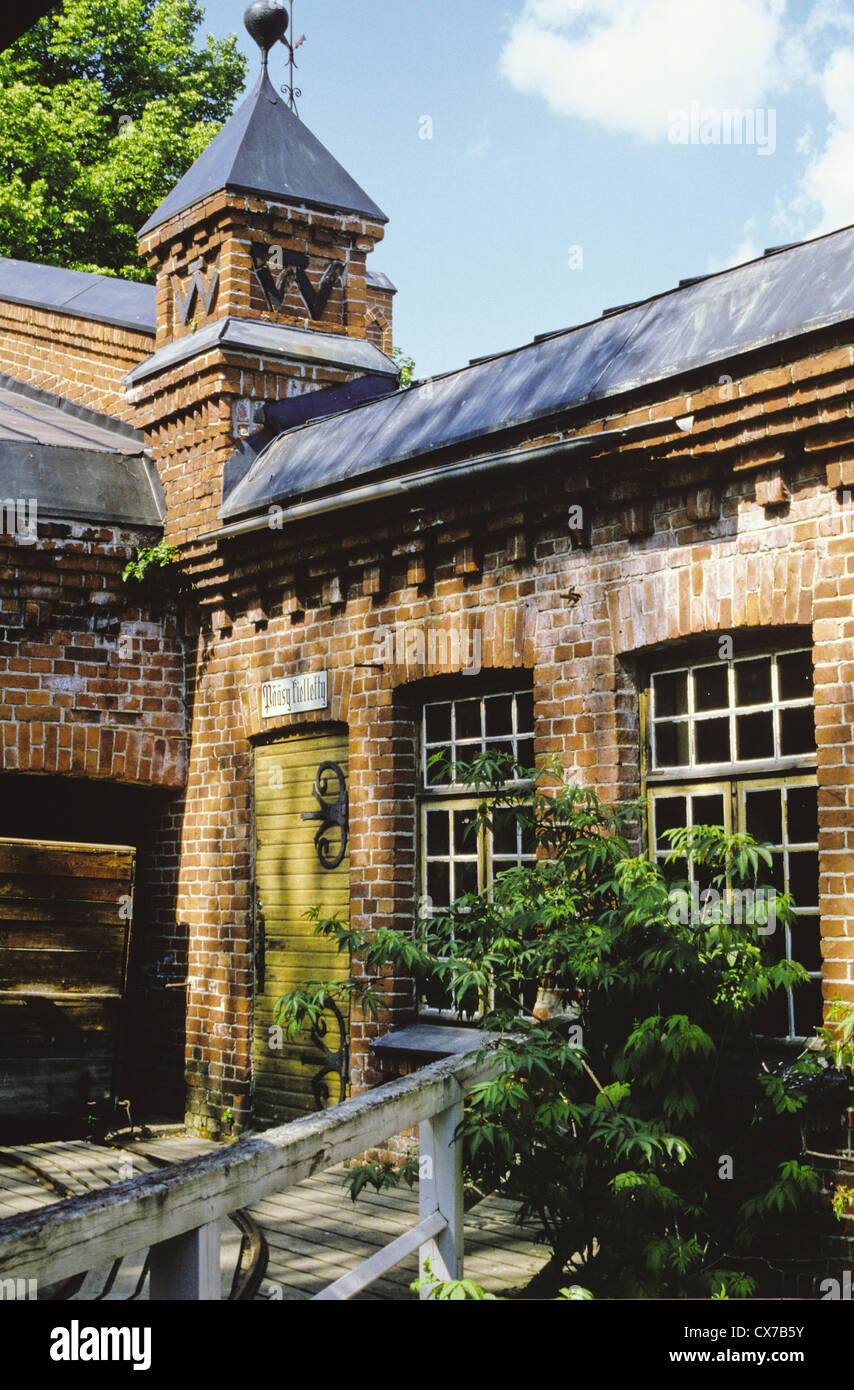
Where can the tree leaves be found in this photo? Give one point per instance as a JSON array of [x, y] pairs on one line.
[[104, 105], [607, 1122]]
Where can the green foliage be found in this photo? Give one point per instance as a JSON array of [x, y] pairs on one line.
[[148, 558], [843, 1202], [381, 1175], [837, 1037], [450, 1290], [610, 1121], [407, 367], [104, 105], [454, 1290]]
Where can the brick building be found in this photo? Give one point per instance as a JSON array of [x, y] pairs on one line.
[[629, 543]]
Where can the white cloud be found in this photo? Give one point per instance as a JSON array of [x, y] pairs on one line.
[[826, 194], [626, 64]]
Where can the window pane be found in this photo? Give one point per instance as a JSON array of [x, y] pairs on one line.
[[796, 676], [671, 813], [775, 876], [504, 833], [797, 731], [525, 753], [753, 683], [671, 693], [802, 809], [438, 833], [525, 713], [711, 741], [803, 878], [711, 687], [465, 877], [439, 774], [671, 745], [708, 810], [465, 836], [764, 817], [806, 945], [438, 723], [468, 719], [439, 884], [755, 736], [499, 717], [808, 1009]]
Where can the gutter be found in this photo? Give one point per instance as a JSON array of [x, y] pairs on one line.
[[450, 472]]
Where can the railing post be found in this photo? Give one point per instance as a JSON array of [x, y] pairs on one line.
[[441, 1186], [186, 1268]]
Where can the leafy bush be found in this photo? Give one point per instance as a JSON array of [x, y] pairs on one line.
[[148, 558], [642, 1124]]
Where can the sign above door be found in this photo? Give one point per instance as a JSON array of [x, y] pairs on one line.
[[295, 695]]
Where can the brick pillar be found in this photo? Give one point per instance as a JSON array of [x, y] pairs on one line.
[[209, 294], [834, 701]]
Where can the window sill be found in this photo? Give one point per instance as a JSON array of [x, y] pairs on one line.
[[424, 1042]]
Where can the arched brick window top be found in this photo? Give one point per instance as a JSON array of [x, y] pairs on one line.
[[379, 330]]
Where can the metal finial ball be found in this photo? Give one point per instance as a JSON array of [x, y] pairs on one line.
[[267, 21]]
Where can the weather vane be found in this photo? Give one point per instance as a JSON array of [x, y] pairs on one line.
[[268, 22], [292, 90]]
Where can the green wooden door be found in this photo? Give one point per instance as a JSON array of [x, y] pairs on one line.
[[289, 879]]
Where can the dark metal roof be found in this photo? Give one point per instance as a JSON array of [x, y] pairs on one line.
[[272, 340], [73, 461], [264, 149], [102, 298], [774, 298], [375, 279]]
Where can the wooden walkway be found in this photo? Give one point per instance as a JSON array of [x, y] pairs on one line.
[[314, 1231]]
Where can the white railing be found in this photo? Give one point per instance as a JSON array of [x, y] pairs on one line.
[[176, 1211]]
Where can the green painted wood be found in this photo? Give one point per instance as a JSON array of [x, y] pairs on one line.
[[289, 880]]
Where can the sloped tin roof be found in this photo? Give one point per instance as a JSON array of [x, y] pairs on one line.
[[103, 298], [794, 291], [265, 149], [75, 462]]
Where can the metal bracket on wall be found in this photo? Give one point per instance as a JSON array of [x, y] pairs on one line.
[[331, 815], [337, 1062]]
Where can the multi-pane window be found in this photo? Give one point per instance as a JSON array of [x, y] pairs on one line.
[[750, 710], [461, 729], [732, 743], [458, 857]]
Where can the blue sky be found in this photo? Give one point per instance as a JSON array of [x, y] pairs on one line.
[[578, 157]]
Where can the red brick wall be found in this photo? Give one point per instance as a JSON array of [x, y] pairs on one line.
[[91, 675], [72, 357], [499, 559], [380, 317]]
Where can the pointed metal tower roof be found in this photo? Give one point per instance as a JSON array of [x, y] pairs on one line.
[[266, 151]]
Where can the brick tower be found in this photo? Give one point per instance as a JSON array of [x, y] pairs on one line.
[[260, 256]]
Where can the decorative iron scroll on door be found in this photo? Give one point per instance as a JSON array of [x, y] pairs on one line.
[[332, 815], [336, 1063]]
